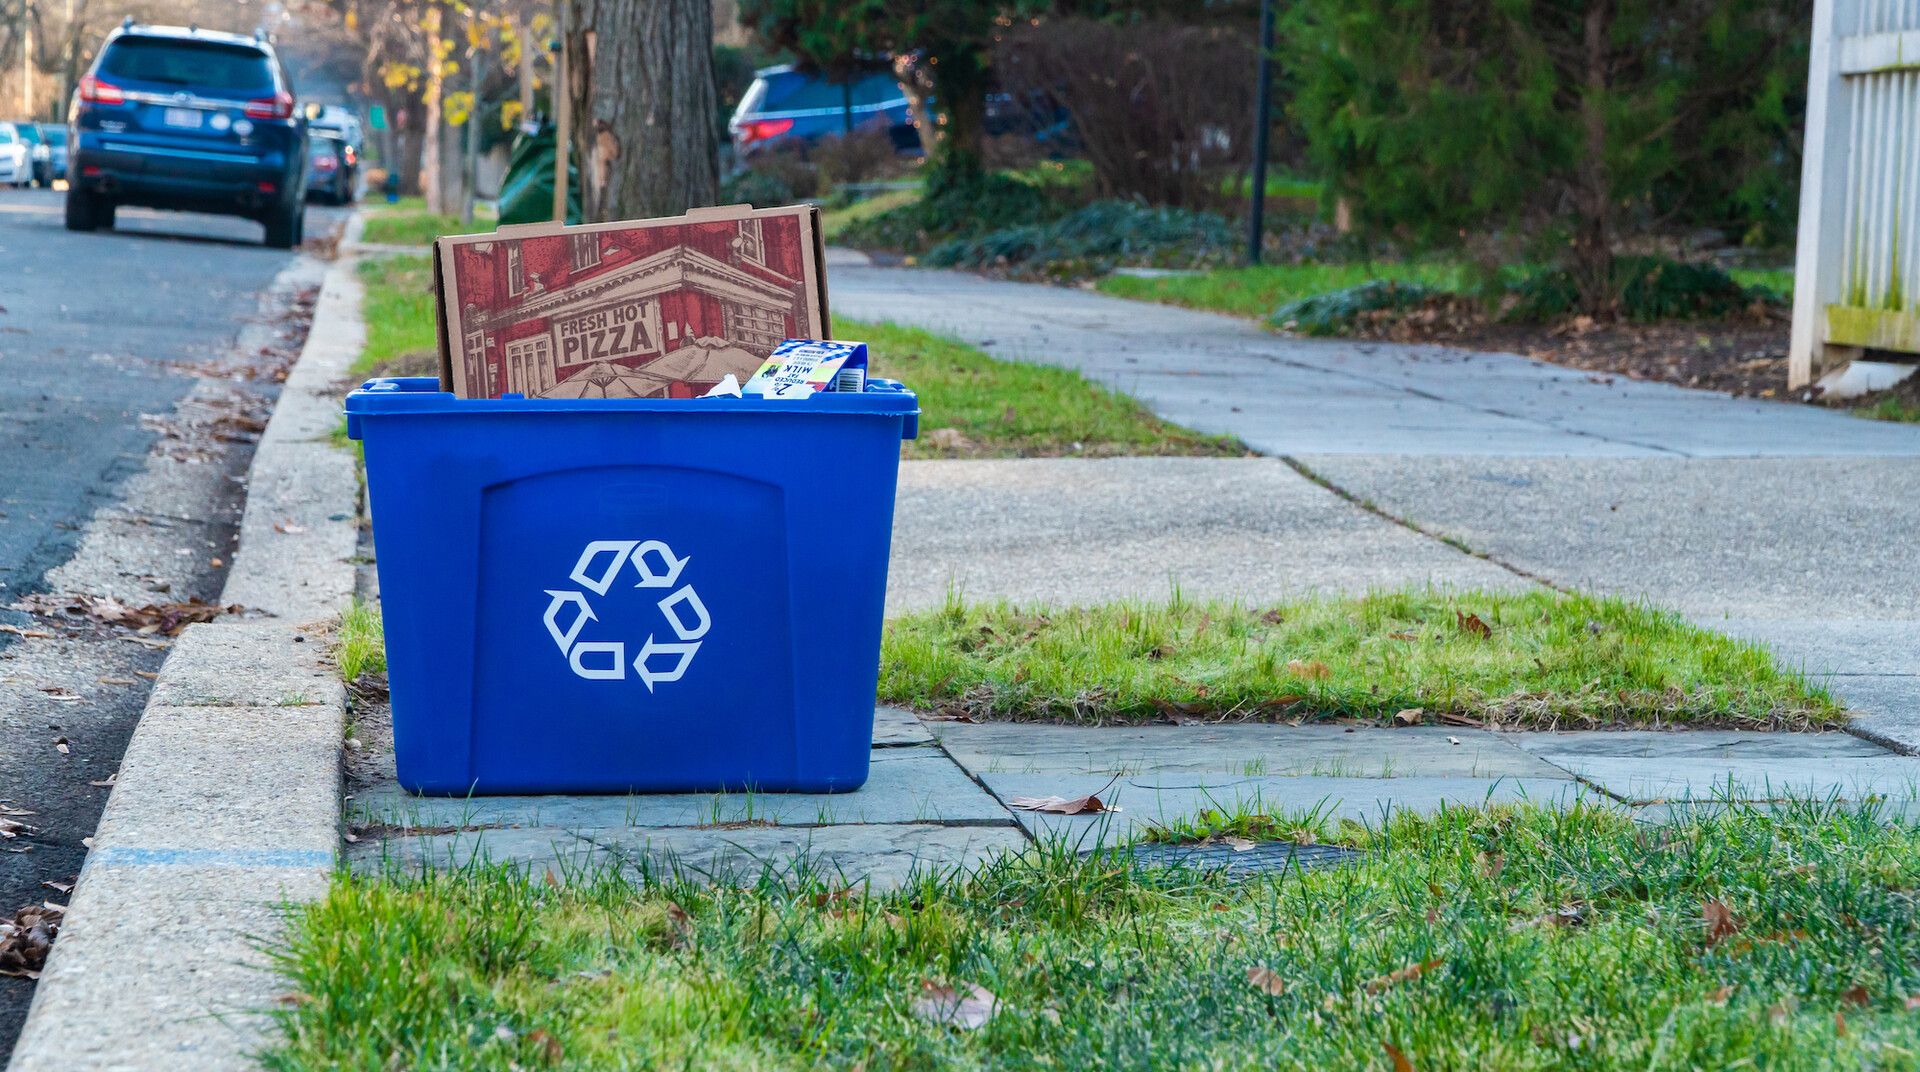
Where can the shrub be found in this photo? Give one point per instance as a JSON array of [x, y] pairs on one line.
[[1095, 238], [1347, 310], [860, 156], [778, 178], [962, 210], [1650, 288]]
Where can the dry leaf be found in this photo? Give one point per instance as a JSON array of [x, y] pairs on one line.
[[548, 1043], [1409, 716], [1405, 975], [351, 836], [682, 925], [114, 680], [148, 674], [1238, 844], [41, 633], [1720, 921], [1274, 617], [1839, 1024], [552, 882], [58, 887], [1087, 805], [1403, 636], [1854, 995], [1720, 996], [1266, 980], [1312, 671], [288, 528], [1453, 740], [1400, 1062], [1471, 623], [941, 1004], [61, 744], [108, 784], [1491, 864]]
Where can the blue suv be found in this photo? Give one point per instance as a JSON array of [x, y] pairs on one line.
[[189, 119]]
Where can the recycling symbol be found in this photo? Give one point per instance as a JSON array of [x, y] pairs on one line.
[[606, 660]]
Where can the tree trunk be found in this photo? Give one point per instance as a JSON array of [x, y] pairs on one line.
[[430, 105], [1593, 196], [960, 88], [907, 71], [644, 102]]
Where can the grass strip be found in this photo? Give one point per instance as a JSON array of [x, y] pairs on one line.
[[398, 310], [1505, 938], [1255, 292], [974, 406], [1533, 659], [410, 224]]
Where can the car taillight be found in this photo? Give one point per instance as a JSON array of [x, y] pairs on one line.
[[92, 89], [762, 129], [278, 106], [325, 163]]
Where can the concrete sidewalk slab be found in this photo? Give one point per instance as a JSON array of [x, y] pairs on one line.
[[1242, 750], [1285, 395], [905, 785], [1661, 778], [1730, 745], [1070, 531]]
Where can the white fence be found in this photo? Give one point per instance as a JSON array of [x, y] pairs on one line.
[[1859, 251]]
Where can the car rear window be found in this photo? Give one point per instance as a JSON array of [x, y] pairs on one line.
[[56, 135], [187, 63]]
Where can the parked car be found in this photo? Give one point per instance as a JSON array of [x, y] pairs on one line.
[[16, 162], [50, 156], [330, 170], [786, 109], [30, 137], [336, 120], [182, 118]]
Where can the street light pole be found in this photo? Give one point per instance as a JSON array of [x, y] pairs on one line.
[[1262, 119]]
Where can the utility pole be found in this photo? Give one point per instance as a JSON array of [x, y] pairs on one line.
[[563, 108], [1262, 119]]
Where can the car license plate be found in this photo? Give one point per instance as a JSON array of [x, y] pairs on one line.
[[182, 117]]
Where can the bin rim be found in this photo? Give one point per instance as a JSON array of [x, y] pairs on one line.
[[421, 395]]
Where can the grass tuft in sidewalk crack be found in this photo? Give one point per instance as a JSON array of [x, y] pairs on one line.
[[1513, 938], [362, 645], [1521, 660]]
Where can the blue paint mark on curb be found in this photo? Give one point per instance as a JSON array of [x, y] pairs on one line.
[[118, 857]]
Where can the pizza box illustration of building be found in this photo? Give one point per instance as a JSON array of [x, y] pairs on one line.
[[661, 308]]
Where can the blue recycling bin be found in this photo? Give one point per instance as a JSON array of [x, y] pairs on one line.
[[640, 595]]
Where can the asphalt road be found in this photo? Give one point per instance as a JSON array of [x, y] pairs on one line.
[[96, 330]]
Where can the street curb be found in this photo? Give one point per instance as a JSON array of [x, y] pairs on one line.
[[227, 802]]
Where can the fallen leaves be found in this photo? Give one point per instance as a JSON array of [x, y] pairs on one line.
[[1471, 624], [942, 1004], [1400, 1062], [1087, 805], [62, 745], [17, 631], [167, 619], [288, 528], [1408, 716], [1407, 974], [1720, 920], [26, 938], [1314, 670], [1266, 980], [549, 1045]]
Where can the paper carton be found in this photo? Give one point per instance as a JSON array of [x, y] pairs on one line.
[[639, 309]]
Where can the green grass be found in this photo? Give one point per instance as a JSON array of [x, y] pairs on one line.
[[1012, 409], [1255, 292], [408, 223], [1776, 279], [398, 309], [835, 220], [1548, 659], [1889, 408], [362, 647], [1509, 939]]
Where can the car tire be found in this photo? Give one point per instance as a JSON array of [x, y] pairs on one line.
[[283, 226], [83, 210]]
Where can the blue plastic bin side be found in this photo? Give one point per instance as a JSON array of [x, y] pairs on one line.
[[779, 515]]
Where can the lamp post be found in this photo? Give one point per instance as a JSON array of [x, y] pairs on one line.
[[1262, 119]]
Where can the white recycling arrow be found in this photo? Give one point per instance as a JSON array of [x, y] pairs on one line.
[[650, 649], [692, 599], [650, 579], [560, 599], [613, 671], [620, 549]]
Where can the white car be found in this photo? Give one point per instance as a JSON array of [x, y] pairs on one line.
[[16, 159]]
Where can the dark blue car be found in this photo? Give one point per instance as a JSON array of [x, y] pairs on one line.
[[786, 109], [188, 119]]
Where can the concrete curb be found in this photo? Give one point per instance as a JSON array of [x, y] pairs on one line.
[[228, 799]]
